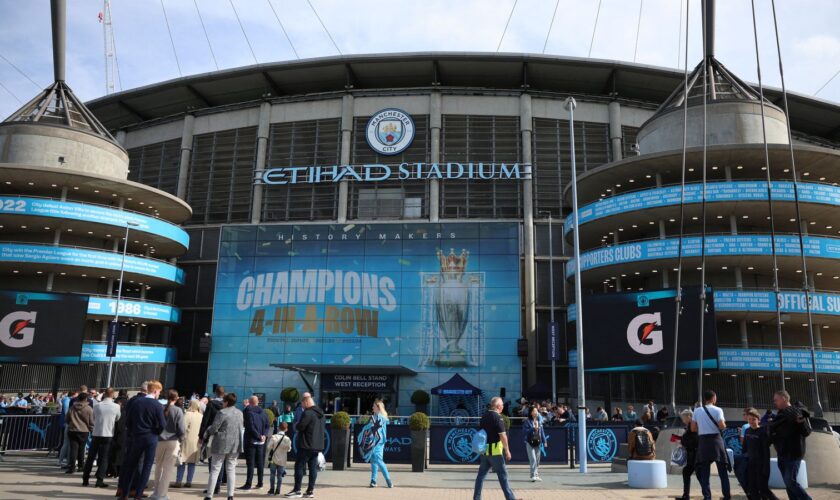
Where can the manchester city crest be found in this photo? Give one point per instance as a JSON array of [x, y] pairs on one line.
[[390, 131], [602, 445], [458, 445]]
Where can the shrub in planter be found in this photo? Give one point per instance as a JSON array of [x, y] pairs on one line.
[[290, 395], [506, 419], [420, 399], [340, 425], [419, 424]]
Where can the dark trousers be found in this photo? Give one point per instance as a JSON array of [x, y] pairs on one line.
[[704, 471], [77, 449], [790, 469], [687, 472], [100, 449], [306, 458], [141, 447], [254, 457]]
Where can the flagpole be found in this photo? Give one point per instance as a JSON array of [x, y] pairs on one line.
[[582, 445]]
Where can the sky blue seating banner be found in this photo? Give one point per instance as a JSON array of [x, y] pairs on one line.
[[716, 245], [763, 301], [451, 444], [136, 309], [435, 299], [127, 353], [84, 257], [715, 192], [796, 360], [44, 207]]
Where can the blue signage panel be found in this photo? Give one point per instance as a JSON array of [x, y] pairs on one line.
[[45, 207], [127, 353], [397, 444], [786, 245], [554, 341], [715, 192], [83, 257], [796, 360], [435, 299], [453, 445], [104, 306], [405, 171], [111, 346]]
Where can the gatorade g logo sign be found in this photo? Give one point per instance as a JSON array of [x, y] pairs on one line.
[[644, 333], [17, 329]]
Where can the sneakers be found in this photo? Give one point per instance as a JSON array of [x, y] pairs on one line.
[[537, 478], [372, 485], [390, 484], [294, 494], [309, 494]]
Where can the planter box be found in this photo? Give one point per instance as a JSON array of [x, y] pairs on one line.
[[418, 450], [340, 448]]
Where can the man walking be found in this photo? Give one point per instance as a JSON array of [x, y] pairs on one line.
[[105, 416], [214, 406], [497, 451], [144, 423], [788, 432], [256, 431], [310, 442], [708, 423]]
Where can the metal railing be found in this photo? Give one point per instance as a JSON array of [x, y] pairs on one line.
[[29, 432]]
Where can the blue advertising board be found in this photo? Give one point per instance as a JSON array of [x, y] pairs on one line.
[[127, 353], [786, 245], [427, 299], [83, 257], [715, 192], [452, 445], [397, 444], [796, 360], [106, 306], [45, 207]]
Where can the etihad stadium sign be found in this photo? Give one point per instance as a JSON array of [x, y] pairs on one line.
[[404, 171]]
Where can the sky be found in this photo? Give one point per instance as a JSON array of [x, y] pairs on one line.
[[810, 37]]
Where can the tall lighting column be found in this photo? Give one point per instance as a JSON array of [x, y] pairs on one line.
[[114, 326]]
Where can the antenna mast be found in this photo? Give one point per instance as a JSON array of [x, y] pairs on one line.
[[111, 70]]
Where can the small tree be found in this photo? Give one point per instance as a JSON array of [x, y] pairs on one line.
[[507, 422], [420, 397], [290, 395], [419, 421], [341, 420]]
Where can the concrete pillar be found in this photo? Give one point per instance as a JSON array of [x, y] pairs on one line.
[[663, 233], [745, 343], [120, 137], [346, 130], [262, 156], [435, 121], [615, 130], [56, 241], [818, 336], [525, 126], [186, 152]]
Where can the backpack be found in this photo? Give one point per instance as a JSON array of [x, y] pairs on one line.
[[479, 442], [643, 446]]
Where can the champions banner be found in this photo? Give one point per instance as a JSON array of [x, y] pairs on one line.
[[40, 327], [434, 299], [634, 331]]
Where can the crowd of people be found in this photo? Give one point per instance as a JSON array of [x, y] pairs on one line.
[[33, 403], [554, 414]]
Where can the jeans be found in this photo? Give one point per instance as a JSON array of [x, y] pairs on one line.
[[306, 458], [376, 463], [179, 475], [64, 454], [276, 474], [100, 449], [130, 475], [498, 463], [533, 459], [254, 457], [165, 456], [704, 472], [229, 463], [790, 469], [77, 450]]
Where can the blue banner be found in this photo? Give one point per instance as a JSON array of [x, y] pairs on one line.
[[433, 299], [104, 306], [452, 445], [762, 301], [127, 353], [786, 245], [45, 207], [715, 192], [796, 360], [397, 444], [83, 257]]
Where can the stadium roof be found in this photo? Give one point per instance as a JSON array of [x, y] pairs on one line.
[[539, 73]]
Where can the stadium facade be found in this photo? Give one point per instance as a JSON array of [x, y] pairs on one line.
[[376, 224]]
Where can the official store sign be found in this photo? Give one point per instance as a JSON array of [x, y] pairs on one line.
[[390, 131]]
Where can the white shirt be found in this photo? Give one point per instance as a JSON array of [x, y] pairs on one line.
[[704, 423]]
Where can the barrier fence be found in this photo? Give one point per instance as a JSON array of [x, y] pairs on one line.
[[30, 432]]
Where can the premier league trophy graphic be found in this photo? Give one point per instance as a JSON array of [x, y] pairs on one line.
[[451, 313]]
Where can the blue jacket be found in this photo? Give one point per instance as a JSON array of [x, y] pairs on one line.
[[528, 431], [144, 418], [256, 424]]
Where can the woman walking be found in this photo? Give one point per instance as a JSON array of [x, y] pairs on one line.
[[372, 443], [226, 446], [189, 450], [169, 445], [534, 435]]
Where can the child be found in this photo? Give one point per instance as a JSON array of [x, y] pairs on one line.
[[277, 452]]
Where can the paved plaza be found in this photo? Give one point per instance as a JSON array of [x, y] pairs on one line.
[[31, 476]]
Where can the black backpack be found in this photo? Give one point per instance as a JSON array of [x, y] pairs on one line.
[[643, 446]]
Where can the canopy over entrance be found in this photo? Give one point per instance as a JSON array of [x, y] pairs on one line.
[[456, 386]]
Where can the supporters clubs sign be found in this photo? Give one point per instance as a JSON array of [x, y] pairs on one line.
[[389, 132]]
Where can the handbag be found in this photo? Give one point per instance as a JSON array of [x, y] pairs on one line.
[[679, 456]]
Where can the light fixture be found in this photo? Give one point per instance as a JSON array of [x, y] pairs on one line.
[[806, 174], [750, 268], [745, 216], [729, 321]]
